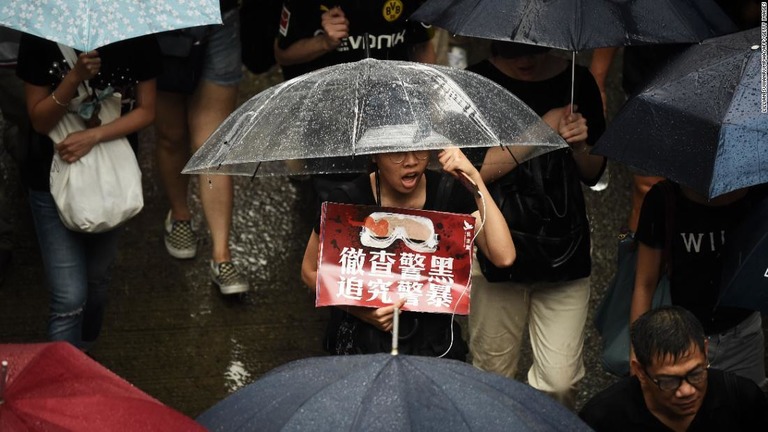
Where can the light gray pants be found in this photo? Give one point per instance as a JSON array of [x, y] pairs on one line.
[[741, 350], [555, 313]]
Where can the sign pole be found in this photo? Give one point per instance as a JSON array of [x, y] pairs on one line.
[[395, 330]]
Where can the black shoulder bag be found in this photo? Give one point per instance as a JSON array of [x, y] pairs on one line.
[[542, 202], [183, 58]]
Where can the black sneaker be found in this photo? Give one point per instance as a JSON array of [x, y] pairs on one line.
[[180, 239], [228, 278]]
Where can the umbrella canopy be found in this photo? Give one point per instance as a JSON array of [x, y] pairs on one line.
[[578, 25], [699, 122], [745, 263], [322, 120], [54, 386], [382, 392], [89, 24]]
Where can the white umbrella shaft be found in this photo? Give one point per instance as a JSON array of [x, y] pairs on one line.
[[3, 375], [395, 330], [573, 76]]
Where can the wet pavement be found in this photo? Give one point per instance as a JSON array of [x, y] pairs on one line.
[[168, 330]]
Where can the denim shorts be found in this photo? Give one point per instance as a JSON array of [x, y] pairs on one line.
[[223, 65]]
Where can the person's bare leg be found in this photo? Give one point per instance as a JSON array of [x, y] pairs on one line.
[[172, 151], [209, 106]]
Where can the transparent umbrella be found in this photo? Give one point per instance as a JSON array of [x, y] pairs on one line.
[[332, 119]]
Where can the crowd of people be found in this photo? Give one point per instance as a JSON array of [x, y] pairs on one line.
[[692, 364]]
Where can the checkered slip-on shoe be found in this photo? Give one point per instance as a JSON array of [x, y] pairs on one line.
[[180, 239], [228, 278]]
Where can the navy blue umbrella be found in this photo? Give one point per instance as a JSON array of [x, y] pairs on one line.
[[699, 122], [383, 392]]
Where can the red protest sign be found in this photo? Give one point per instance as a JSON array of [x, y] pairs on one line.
[[373, 256]]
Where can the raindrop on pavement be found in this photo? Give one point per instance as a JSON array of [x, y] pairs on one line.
[[236, 376]]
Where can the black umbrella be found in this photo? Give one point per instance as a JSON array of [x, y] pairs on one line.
[[384, 392], [578, 25], [699, 122]]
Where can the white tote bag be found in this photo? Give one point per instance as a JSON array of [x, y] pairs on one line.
[[102, 189]]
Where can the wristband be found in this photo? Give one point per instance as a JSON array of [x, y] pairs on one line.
[[53, 96]]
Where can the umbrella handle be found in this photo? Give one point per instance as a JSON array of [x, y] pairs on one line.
[[3, 375]]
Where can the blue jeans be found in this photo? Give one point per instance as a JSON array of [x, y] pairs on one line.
[[77, 267], [223, 65]]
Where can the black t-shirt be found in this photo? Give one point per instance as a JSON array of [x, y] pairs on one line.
[[460, 201], [543, 96], [41, 63], [696, 251], [385, 21], [227, 5], [732, 403], [554, 92]]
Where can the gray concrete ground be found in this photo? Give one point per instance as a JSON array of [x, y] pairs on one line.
[[169, 331]]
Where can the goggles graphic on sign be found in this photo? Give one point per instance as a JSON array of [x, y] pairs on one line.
[[381, 229]]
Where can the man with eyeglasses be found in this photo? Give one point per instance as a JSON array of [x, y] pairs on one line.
[[672, 387]]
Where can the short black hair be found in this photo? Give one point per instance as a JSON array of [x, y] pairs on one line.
[[665, 331]]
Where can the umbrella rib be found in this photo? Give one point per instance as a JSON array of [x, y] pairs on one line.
[[576, 36], [401, 82], [437, 385], [239, 129], [362, 369], [741, 78], [528, 10], [458, 95], [89, 39], [469, 14], [358, 108], [364, 396], [682, 20]]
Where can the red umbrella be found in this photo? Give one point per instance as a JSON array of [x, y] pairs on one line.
[[55, 387]]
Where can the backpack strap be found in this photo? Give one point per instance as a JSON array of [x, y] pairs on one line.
[[444, 189], [71, 58], [355, 194]]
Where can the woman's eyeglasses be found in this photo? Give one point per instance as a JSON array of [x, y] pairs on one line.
[[399, 157], [670, 383]]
